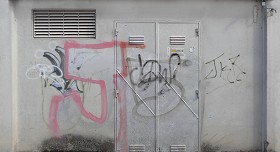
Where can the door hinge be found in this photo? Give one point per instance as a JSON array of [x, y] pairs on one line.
[[197, 94], [197, 32], [116, 32], [116, 93]]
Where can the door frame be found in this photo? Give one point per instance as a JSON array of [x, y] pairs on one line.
[[199, 93]]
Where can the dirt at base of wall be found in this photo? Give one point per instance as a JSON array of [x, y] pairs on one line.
[[77, 143]]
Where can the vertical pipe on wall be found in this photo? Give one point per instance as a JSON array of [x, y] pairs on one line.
[[14, 63], [264, 82]]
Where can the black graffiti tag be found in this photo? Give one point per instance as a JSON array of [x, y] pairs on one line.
[[232, 72], [152, 70], [145, 72]]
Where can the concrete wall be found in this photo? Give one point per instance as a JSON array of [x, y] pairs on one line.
[[230, 30], [6, 80]]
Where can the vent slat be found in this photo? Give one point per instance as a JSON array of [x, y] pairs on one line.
[[65, 26], [64, 11], [67, 36], [64, 23], [66, 30], [86, 33], [40, 32], [67, 20]]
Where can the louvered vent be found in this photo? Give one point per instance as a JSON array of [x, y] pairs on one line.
[[136, 40], [136, 148], [178, 148], [177, 40], [64, 23]]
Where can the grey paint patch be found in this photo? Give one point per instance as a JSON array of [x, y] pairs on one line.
[[77, 143]]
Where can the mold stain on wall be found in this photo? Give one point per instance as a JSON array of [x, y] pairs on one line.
[[75, 143]]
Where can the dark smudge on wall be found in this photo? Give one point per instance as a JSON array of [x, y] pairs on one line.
[[74, 143]]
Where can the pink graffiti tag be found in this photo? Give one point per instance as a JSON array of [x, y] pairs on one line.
[[77, 99], [56, 100]]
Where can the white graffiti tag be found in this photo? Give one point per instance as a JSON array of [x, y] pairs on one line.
[[47, 72]]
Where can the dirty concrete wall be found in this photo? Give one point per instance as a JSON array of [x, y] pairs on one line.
[[230, 37], [273, 106], [6, 79]]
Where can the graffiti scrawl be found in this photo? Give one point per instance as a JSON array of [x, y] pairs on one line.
[[56, 74], [228, 71]]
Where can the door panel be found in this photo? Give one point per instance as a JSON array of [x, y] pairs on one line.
[[157, 83], [178, 104], [136, 101]]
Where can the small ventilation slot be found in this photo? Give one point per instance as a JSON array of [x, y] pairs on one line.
[[64, 23], [178, 148], [177, 40], [136, 148], [136, 40]]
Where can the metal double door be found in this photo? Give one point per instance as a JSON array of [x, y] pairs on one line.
[[156, 79]]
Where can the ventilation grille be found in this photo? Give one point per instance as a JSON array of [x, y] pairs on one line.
[[177, 40], [136, 148], [178, 148], [64, 23], [136, 40]]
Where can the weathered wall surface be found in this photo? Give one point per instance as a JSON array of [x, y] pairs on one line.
[[6, 79], [273, 107], [230, 57]]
